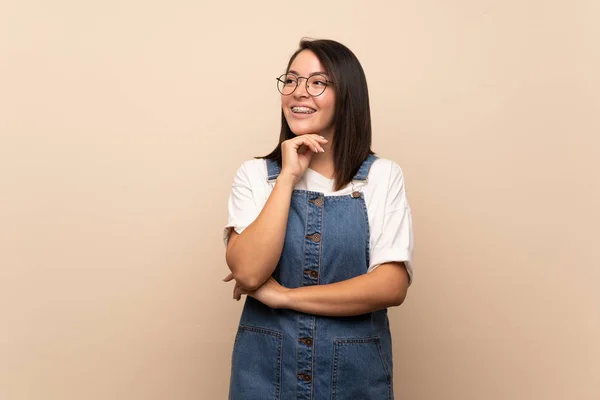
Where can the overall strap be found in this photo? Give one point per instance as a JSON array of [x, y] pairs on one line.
[[363, 171], [273, 170]]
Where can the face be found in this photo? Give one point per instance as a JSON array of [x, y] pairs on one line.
[[316, 114]]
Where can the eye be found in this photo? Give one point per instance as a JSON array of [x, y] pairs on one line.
[[318, 80], [289, 80]]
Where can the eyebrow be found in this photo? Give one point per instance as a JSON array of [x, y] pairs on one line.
[[291, 71]]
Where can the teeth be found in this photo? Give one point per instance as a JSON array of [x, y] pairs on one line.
[[303, 110]]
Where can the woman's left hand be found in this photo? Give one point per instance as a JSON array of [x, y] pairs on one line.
[[270, 293]]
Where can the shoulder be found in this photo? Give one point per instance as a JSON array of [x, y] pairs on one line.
[[252, 169], [385, 171], [388, 189]]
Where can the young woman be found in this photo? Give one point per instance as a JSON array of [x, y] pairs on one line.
[[319, 239]]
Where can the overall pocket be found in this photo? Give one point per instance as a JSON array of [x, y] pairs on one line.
[[359, 370], [256, 364]]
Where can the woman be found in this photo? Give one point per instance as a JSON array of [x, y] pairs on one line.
[[319, 238]]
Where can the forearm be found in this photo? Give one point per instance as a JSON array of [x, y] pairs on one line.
[[254, 254], [382, 288]]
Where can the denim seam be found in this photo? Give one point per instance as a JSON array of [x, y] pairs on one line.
[[338, 342], [334, 371], [258, 329], [368, 235], [387, 372], [279, 339], [321, 209]]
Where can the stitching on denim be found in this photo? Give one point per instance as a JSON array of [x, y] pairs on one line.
[[387, 372], [314, 319], [312, 359], [322, 225], [305, 234], [260, 330], [279, 357], [338, 342], [334, 372], [279, 338], [368, 228]]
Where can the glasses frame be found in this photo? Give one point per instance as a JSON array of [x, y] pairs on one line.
[[279, 79]]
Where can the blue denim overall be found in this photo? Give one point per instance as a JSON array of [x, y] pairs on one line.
[[282, 354]]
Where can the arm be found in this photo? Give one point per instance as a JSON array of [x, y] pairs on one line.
[[382, 288], [253, 255], [385, 287]]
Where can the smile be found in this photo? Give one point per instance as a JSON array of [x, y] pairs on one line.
[[303, 110]]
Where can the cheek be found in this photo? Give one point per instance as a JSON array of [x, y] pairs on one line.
[[324, 101], [329, 108], [286, 112], [285, 107]]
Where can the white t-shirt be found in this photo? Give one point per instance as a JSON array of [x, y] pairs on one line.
[[390, 220]]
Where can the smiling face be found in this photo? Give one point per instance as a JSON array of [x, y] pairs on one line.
[[306, 114]]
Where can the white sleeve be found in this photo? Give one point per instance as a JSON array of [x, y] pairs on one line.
[[396, 240], [241, 205]]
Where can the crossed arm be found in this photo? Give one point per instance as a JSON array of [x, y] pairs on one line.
[[384, 287], [252, 256]]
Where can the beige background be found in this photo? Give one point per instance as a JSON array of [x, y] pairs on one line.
[[123, 122]]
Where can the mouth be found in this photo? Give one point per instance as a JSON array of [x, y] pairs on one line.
[[302, 110]]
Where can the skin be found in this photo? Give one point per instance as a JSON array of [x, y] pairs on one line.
[[384, 287], [320, 123]]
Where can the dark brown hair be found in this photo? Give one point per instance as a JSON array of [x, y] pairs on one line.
[[352, 116]]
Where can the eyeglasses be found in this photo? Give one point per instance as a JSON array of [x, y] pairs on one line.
[[315, 84]]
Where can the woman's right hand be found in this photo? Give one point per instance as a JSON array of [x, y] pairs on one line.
[[297, 152]]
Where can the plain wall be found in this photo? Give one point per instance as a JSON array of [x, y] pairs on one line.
[[122, 124]]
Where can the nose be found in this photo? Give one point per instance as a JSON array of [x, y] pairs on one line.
[[301, 88]]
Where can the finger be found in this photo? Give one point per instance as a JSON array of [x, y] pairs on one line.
[[228, 277], [319, 138], [307, 141], [312, 144], [237, 293], [299, 145], [236, 290], [317, 146]]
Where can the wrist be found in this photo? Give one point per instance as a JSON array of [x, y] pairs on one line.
[[285, 298], [286, 180]]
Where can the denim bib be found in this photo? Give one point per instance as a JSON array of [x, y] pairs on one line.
[[282, 354]]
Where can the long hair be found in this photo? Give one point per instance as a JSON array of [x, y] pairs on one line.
[[352, 115]]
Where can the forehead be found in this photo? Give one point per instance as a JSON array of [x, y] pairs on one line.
[[306, 63]]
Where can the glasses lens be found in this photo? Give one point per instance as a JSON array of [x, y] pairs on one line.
[[316, 84], [286, 84]]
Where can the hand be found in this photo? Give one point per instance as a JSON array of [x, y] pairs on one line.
[[297, 152], [270, 293]]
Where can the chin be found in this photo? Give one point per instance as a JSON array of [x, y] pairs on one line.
[[300, 132], [301, 129]]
